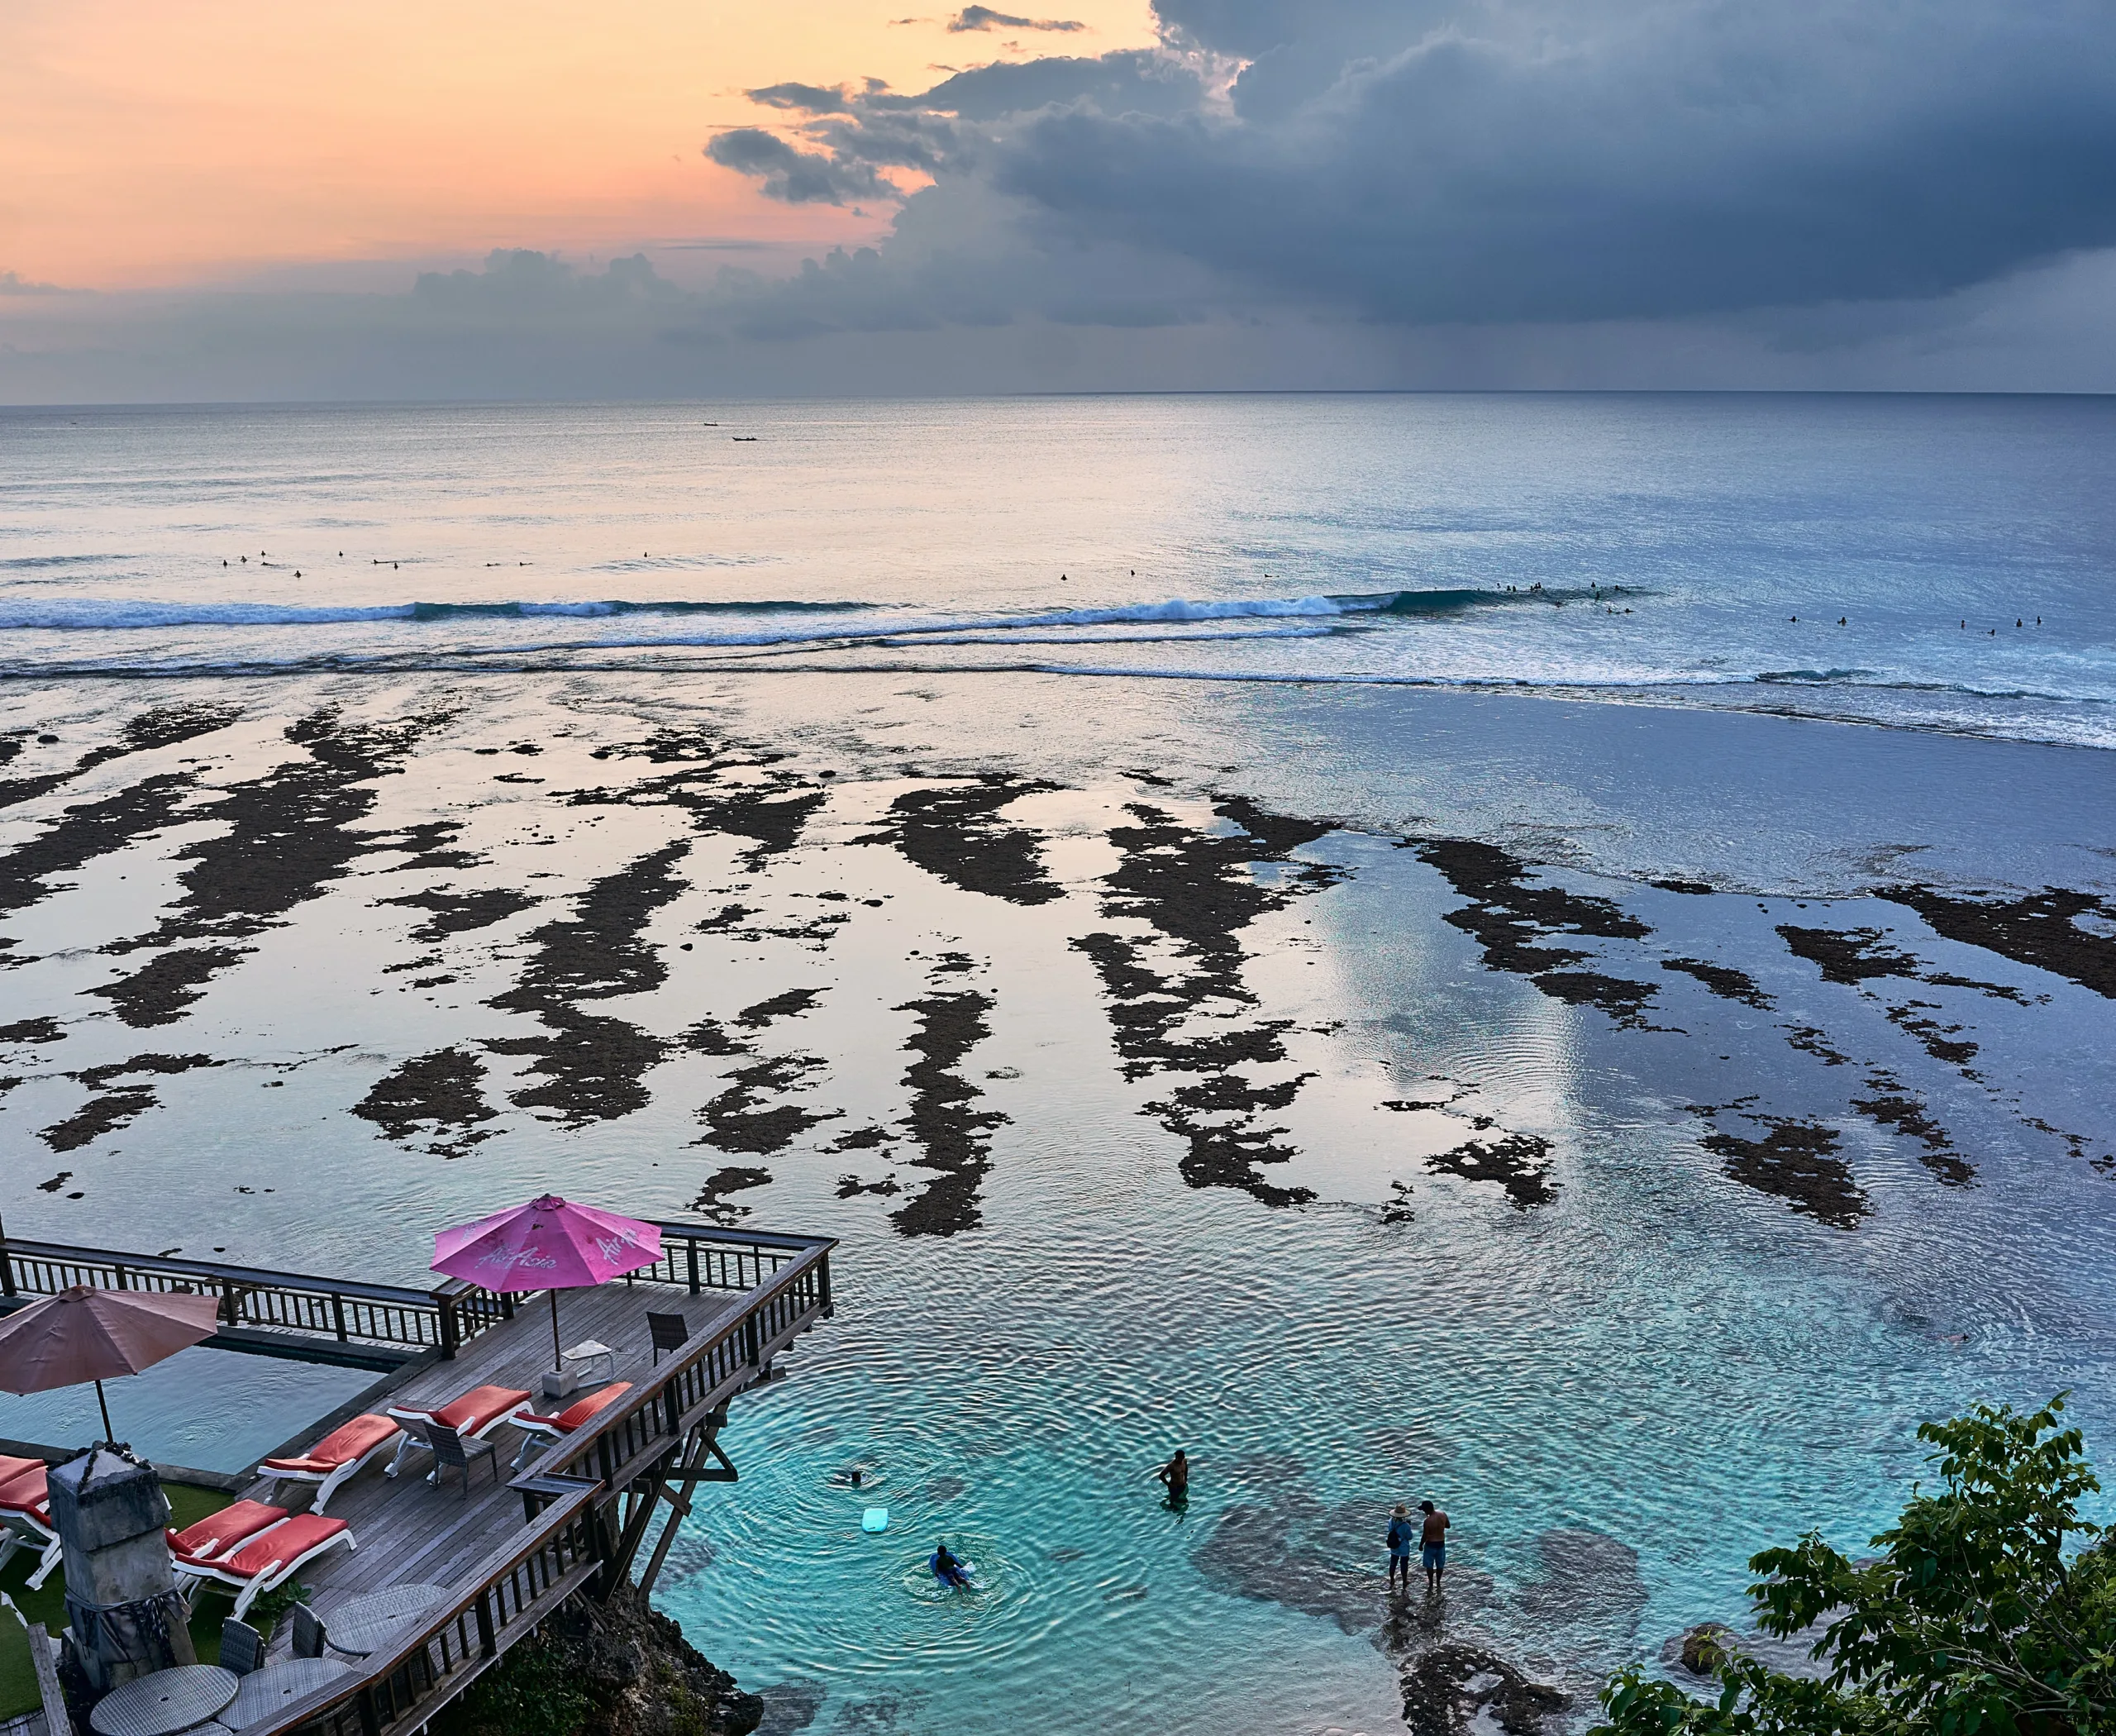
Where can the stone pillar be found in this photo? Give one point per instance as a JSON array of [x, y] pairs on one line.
[[123, 1614]]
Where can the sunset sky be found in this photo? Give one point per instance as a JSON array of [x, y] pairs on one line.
[[233, 199], [159, 142]]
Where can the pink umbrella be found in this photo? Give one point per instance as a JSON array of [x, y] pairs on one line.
[[83, 1334], [549, 1244]]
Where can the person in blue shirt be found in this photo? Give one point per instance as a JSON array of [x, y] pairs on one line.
[[1402, 1533]]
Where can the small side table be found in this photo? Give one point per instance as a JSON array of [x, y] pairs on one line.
[[577, 1367], [166, 1703]]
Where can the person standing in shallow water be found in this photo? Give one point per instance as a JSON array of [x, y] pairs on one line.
[[1433, 1544], [1176, 1475], [1401, 1531]]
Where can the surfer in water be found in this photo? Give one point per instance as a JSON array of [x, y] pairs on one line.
[[947, 1569]]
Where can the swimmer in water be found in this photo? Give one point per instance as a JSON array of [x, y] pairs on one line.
[[1176, 1474], [947, 1569]]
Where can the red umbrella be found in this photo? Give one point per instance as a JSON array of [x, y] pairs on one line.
[[549, 1244], [83, 1334]]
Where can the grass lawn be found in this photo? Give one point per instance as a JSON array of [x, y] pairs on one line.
[[17, 1676]]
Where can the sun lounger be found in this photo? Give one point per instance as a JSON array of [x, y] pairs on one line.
[[473, 1416], [198, 1547], [335, 1457], [26, 1514], [272, 1556], [539, 1430]]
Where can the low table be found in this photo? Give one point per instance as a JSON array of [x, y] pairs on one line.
[[578, 1365], [370, 1622], [166, 1702], [266, 1692]]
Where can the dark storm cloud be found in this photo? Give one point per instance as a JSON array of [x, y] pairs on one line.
[[799, 177], [983, 18], [1519, 160], [808, 99]]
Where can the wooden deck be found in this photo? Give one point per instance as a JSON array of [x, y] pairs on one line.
[[408, 1530], [590, 1516]]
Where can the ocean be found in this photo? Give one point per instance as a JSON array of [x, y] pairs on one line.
[[1552, 952]]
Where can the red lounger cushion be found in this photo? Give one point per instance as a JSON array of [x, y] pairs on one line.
[[218, 1531], [579, 1412], [477, 1407], [26, 1494], [341, 1446], [284, 1543], [11, 1468]]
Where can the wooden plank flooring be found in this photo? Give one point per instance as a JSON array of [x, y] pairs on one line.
[[406, 1529]]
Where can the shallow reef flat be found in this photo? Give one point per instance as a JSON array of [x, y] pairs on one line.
[[984, 987]]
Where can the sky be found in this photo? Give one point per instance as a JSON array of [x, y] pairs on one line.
[[229, 199]]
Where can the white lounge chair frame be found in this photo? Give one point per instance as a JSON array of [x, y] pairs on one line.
[[327, 1482]]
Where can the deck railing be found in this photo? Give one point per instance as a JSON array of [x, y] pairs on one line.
[[505, 1598], [292, 1308], [652, 1421], [292, 1305]]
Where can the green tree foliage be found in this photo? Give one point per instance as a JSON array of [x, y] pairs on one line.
[[1989, 1609]]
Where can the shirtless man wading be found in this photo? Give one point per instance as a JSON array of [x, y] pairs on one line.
[[1433, 1544]]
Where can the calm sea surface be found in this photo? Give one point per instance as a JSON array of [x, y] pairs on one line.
[[1799, 648]]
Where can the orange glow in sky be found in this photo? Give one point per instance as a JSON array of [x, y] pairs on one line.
[[154, 142]]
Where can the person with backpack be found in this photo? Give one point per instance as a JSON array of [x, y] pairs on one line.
[[1401, 1531]]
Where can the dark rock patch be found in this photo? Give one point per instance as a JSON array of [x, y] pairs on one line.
[[1197, 891], [593, 1064], [1694, 889], [1588, 1579], [97, 1117], [793, 1001], [1890, 1107], [1813, 1040], [459, 913], [620, 1668], [861, 1139], [160, 991], [1513, 919], [88, 830], [1723, 980], [949, 1133], [954, 832], [1850, 955], [55, 1183], [2041, 929], [1460, 1687], [1519, 1163], [437, 1096], [164, 726], [1937, 1040], [30, 1031], [289, 833], [851, 1187], [712, 1198], [790, 1706], [708, 1036], [99, 1076], [1282, 1553], [771, 813], [738, 1120], [1796, 1161]]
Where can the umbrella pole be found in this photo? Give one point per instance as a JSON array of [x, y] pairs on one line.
[[558, 1356], [103, 1405]]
